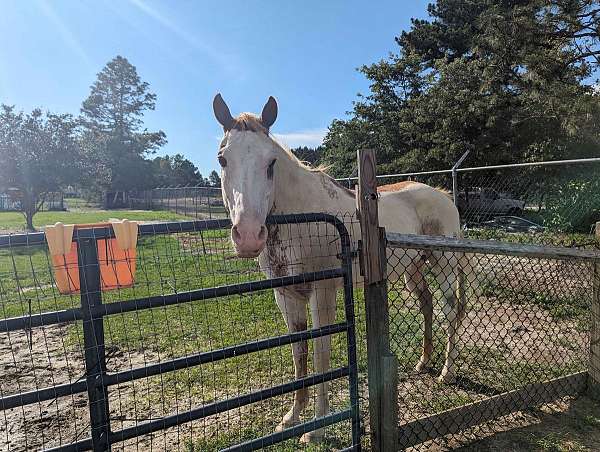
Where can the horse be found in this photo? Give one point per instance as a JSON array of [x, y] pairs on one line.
[[260, 177]]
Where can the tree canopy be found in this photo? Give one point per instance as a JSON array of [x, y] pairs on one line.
[[39, 154], [112, 115], [508, 80]]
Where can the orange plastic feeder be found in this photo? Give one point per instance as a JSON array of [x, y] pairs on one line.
[[116, 256]]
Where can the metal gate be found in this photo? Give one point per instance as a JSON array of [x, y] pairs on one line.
[[92, 313]]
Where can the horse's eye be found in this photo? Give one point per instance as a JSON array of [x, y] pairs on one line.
[[270, 169], [222, 161]]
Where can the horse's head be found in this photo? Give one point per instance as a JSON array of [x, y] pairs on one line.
[[247, 157]]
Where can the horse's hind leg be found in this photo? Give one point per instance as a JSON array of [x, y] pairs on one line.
[[447, 278], [294, 313], [415, 284]]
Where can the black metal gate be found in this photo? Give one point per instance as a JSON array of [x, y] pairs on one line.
[[98, 381]]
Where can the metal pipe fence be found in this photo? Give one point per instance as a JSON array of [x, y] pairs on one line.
[[193, 356], [194, 202]]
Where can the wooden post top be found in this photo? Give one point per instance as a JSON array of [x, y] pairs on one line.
[[367, 205]]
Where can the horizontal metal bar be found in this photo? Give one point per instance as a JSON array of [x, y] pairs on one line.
[[274, 438], [422, 242], [213, 292], [17, 240], [84, 444], [120, 307], [226, 405], [386, 176], [173, 227], [224, 353], [43, 319], [522, 165], [67, 389], [481, 168], [41, 395]]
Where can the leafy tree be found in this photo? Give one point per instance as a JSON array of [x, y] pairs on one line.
[[114, 137], [509, 80], [312, 156], [214, 179], [176, 170], [39, 154]]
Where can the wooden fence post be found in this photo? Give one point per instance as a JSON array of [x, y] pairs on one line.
[[382, 365], [594, 371]]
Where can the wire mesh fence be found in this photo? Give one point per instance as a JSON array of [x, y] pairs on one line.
[[554, 203], [506, 329], [195, 202], [195, 355]]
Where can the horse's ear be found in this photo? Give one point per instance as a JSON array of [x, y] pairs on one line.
[[269, 113], [222, 112]]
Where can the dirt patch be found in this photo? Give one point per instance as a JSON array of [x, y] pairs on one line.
[[566, 425]]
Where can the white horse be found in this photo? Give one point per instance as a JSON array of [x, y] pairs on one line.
[[260, 177]]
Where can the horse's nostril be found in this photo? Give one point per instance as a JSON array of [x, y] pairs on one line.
[[262, 235], [235, 234]]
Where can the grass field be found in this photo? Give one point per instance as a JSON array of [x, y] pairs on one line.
[[15, 222], [516, 333]]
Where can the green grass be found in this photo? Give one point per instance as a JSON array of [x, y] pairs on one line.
[[15, 222], [177, 263]]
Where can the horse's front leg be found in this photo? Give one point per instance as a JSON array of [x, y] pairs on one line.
[[293, 309], [322, 311]]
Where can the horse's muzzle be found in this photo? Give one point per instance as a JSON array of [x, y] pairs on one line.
[[249, 238]]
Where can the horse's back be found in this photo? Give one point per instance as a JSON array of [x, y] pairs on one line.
[[416, 208]]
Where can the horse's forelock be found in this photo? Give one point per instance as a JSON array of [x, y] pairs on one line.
[[248, 122]]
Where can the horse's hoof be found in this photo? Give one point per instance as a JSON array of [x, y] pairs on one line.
[[286, 424], [422, 366], [312, 437], [447, 378]]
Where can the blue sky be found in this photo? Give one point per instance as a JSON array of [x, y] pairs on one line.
[[303, 52]]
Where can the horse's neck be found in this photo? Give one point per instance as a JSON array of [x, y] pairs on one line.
[[298, 190]]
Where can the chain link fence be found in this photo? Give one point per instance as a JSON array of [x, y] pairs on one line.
[[514, 326], [195, 202], [555, 203]]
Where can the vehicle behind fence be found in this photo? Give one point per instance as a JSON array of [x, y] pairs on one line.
[[194, 202]]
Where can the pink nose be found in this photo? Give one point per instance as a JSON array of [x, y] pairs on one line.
[[249, 238]]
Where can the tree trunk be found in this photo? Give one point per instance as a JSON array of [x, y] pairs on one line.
[[29, 209], [29, 219]]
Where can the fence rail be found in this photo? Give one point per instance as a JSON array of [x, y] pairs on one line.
[[93, 313], [541, 202]]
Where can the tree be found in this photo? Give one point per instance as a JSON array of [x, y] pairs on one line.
[[112, 116], [508, 80], [312, 156], [214, 179], [39, 154], [176, 170]]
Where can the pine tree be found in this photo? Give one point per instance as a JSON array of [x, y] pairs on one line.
[[113, 118]]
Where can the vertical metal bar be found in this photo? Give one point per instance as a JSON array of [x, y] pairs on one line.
[[93, 338], [351, 333], [455, 176], [208, 201]]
